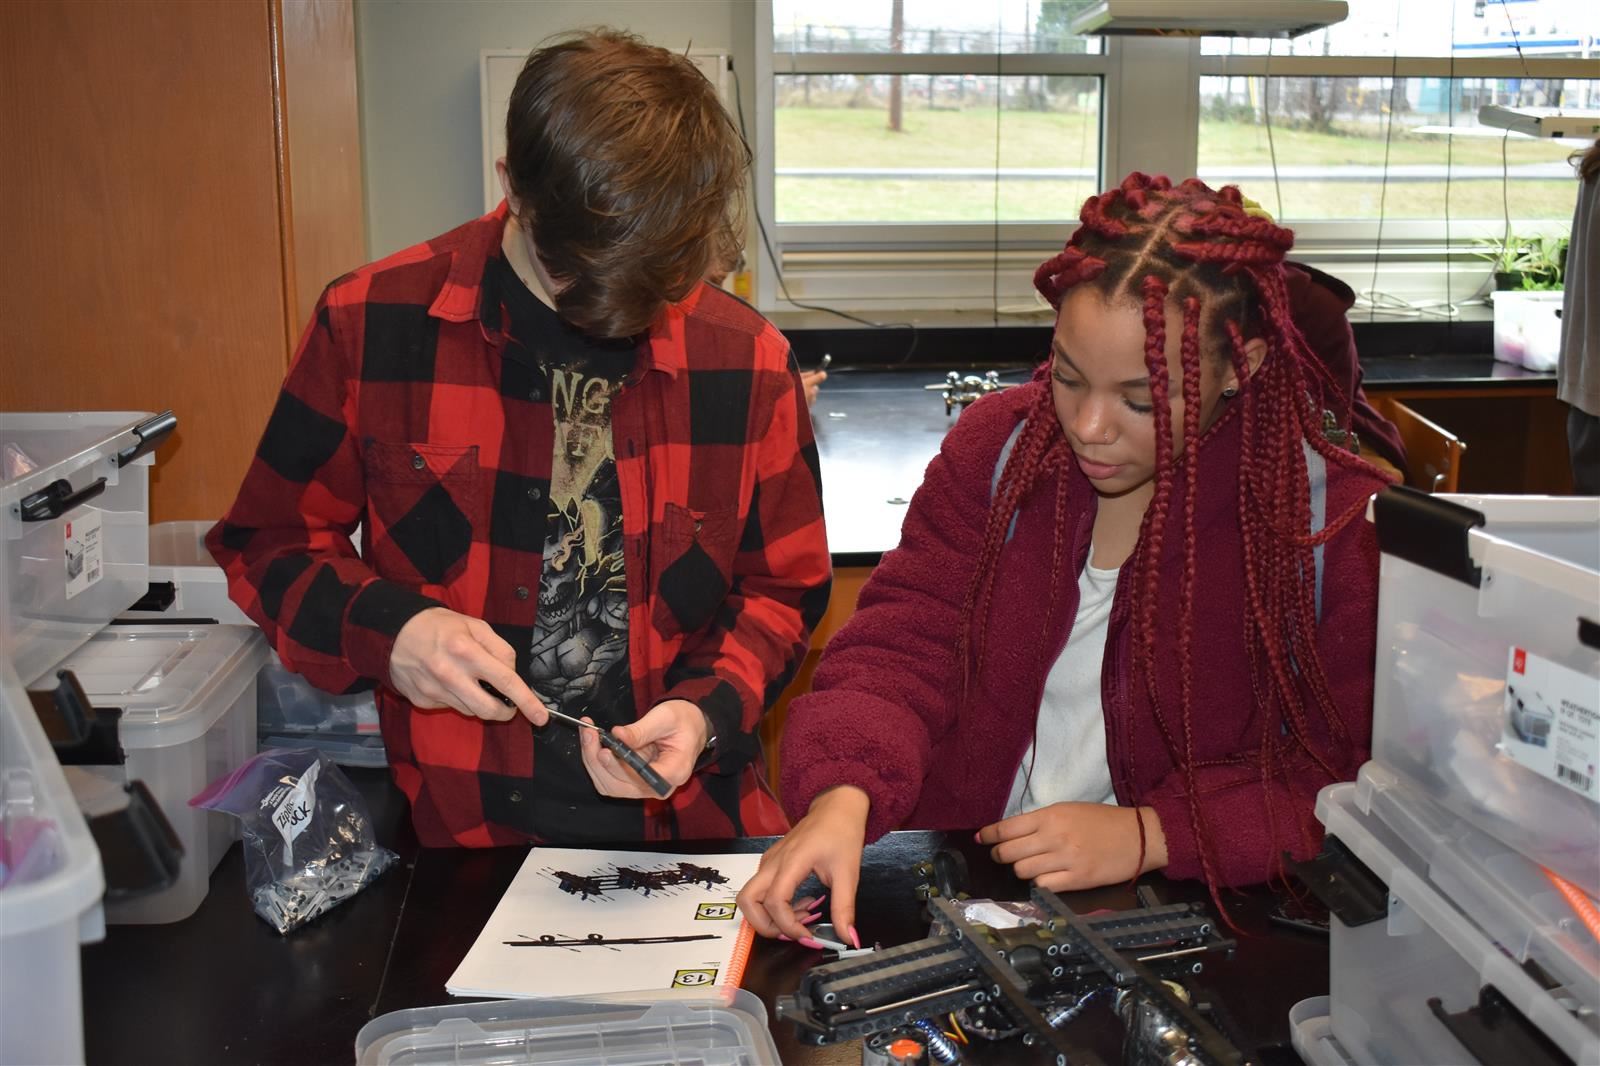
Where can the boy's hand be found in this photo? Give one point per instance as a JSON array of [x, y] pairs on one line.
[[670, 736], [827, 842], [440, 657], [1068, 846]]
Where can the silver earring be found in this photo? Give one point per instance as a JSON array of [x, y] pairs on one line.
[[1230, 392]]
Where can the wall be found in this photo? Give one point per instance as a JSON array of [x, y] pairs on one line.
[[418, 67], [140, 208]]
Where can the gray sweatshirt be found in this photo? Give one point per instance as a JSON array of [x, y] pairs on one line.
[[1579, 371]]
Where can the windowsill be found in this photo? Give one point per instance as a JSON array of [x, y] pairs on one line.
[[979, 343]]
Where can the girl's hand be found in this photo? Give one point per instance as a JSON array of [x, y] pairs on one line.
[[1068, 846], [827, 842], [811, 381]]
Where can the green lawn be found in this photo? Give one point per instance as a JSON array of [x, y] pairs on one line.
[[842, 137]]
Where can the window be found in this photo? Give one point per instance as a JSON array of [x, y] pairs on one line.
[[902, 142], [1005, 123]]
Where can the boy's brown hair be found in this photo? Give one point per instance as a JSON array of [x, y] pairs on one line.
[[629, 176]]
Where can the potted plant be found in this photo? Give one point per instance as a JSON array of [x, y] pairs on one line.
[[1525, 262], [1529, 271]]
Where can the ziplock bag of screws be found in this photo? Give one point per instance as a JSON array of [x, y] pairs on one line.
[[308, 841]]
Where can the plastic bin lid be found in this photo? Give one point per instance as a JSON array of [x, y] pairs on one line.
[[31, 444], [1388, 856], [1505, 894], [171, 682], [723, 1027]]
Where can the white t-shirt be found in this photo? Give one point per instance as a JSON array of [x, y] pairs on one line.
[[1068, 756]]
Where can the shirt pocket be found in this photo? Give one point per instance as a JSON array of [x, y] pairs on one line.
[[423, 506], [694, 553]]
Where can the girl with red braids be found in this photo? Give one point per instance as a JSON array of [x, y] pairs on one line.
[[1130, 622]]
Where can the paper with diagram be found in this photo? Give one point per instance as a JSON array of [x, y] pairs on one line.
[[577, 922]]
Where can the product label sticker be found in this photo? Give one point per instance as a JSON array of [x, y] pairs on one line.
[[293, 810], [1552, 721], [84, 551]]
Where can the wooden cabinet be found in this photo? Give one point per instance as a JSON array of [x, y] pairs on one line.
[[1516, 435], [179, 180], [847, 584]]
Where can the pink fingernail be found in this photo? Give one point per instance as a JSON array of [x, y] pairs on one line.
[[817, 902], [808, 919], [808, 942], [854, 939], [782, 937]]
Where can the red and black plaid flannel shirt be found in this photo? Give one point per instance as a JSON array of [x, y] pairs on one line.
[[405, 411]]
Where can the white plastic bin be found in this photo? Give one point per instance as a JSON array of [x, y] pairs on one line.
[[1383, 974], [1504, 893], [48, 910], [1487, 693], [1527, 328], [626, 1029], [188, 697], [71, 573]]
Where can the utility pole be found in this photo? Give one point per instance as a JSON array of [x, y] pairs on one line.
[[897, 28]]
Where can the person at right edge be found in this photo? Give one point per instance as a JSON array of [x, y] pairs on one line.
[[1578, 374]]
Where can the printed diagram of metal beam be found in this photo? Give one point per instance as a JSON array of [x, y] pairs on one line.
[[632, 879], [598, 940]]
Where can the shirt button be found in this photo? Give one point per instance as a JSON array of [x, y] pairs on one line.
[[535, 395], [522, 592], [418, 462], [534, 493], [516, 797]]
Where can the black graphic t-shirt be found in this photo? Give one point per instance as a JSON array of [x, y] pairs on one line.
[[578, 660]]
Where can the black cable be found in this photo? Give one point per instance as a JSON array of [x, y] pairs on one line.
[[1505, 163], [777, 270], [999, 116], [1449, 170], [1383, 181], [1266, 110]]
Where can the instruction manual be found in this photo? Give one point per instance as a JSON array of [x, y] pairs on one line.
[[576, 922]]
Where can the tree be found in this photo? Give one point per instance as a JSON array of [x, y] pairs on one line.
[[1051, 35]]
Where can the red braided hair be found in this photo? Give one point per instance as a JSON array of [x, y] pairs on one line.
[[1148, 242]]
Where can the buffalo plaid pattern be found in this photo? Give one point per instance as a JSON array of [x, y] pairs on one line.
[[408, 411]]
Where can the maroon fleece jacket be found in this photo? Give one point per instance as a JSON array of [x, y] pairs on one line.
[[884, 714], [1319, 304]]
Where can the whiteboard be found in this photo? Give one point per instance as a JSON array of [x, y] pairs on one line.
[[498, 69]]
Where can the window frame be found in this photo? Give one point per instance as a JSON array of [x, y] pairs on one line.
[[1150, 115]]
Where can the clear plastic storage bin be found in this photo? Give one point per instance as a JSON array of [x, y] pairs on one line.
[[74, 526], [1488, 679], [286, 703], [188, 700], [178, 556], [1504, 893], [627, 1029], [1383, 974], [50, 889], [1311, 1033]]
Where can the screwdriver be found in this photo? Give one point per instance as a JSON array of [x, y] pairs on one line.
[[630, 758]]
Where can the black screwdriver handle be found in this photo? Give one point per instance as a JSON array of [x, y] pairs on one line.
[[630, 758], [636, 763]]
